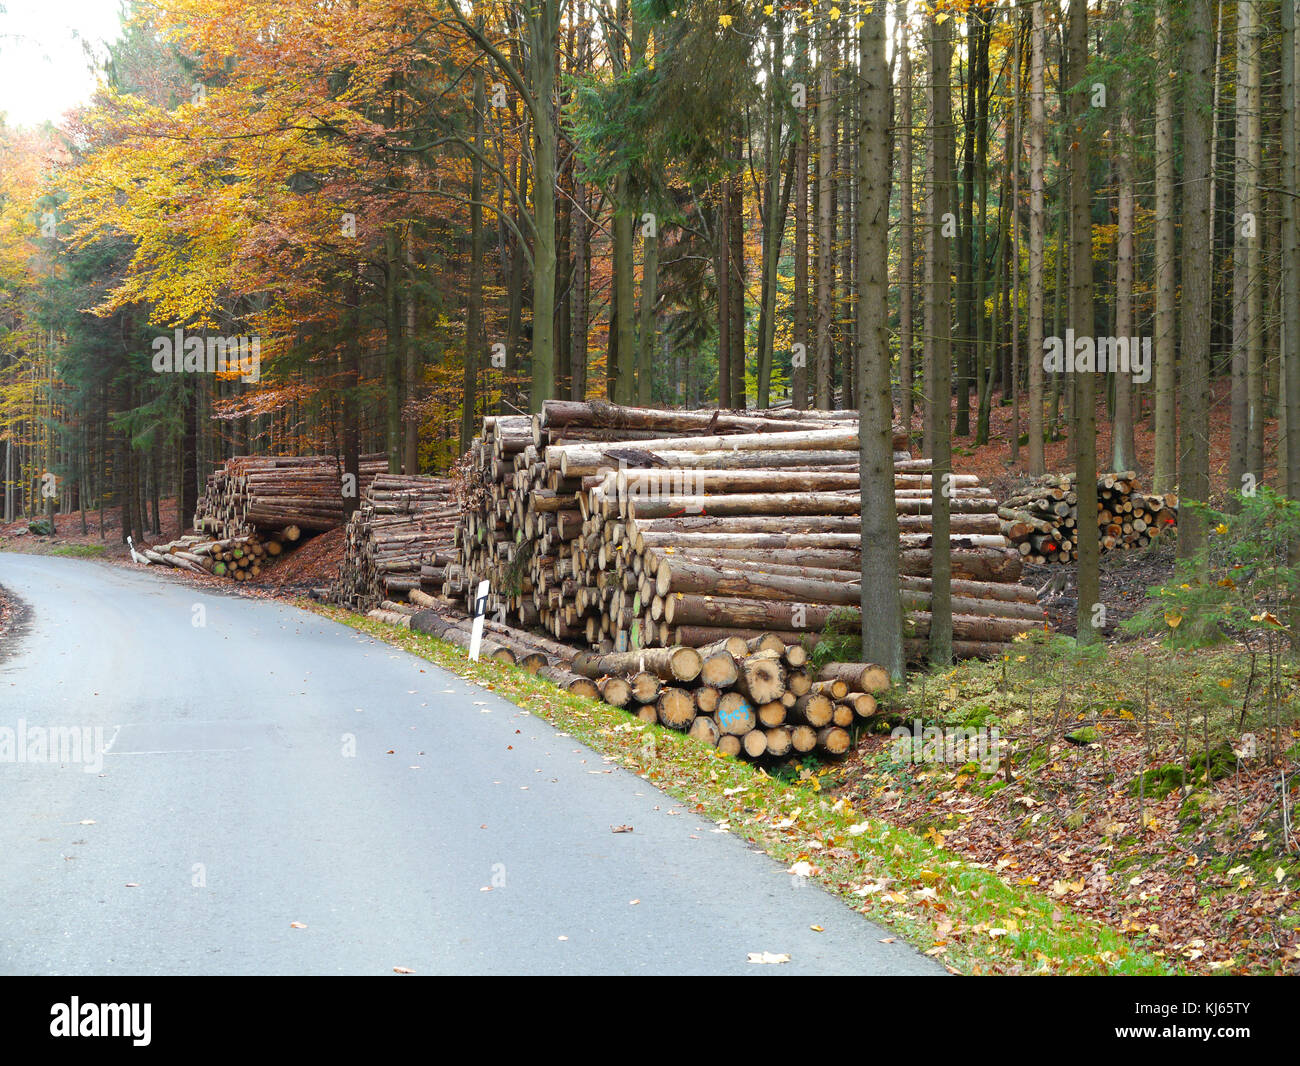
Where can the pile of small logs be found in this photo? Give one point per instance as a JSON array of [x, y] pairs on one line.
[[756, 696], [627, 528], [399, 539], [237, 558], [251, 492], [753, 697], [1042, 519]]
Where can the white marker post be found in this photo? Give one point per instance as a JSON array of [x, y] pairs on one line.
[[480, 610]]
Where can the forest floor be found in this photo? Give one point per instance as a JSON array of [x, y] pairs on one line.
[[8, 612], [992, 462], [1085, 776]]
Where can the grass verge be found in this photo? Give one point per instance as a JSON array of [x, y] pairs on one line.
[[80, 551]]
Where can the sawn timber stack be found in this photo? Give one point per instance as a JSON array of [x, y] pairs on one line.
[[624, 528], [1042, 519], [263, 493], [399, 539]]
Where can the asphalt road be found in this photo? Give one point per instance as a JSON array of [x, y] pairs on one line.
[[248, 784]]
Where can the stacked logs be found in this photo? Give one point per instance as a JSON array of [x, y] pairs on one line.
[[628, 528], [523, 528], [399, 539], [753, 697], [236, 558], [266, 493], [1042, 519], [537, 655], [721, 559]]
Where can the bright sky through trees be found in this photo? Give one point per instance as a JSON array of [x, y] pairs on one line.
[[45, 68]]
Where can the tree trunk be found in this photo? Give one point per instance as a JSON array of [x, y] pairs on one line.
[[623, 368], [906, 252], [1037, 232], [649, 297], [1197, 297], [581, 296], [823, 385], [736, 232], [1245, 257], [724, 295], [1123, 452], [474, 312], [939, 326], [543, 22], [1165, 475], [882, 635], [1254, 254], [1085, 426], [799, 343], [1290, 187]]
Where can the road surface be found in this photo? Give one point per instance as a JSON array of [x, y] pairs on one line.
[[270, 767]]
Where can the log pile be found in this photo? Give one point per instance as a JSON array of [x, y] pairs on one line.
[[399, 539], [755, 697], [628, 528], [750, 697], [262, 493], [1042, 519], [236, 558]]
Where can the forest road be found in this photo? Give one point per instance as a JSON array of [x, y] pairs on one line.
[[270, 767]]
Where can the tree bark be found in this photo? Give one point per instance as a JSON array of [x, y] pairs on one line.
[[1037, 233], [939, 327], [1085, 426], [649, 297], [1245, 257], [882, 636], [906, 251], [1123, 452], [1290, 182], [474, 312], [543, 24], [823, 385], [1197, 297], [1165, 476], [799, 356]]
